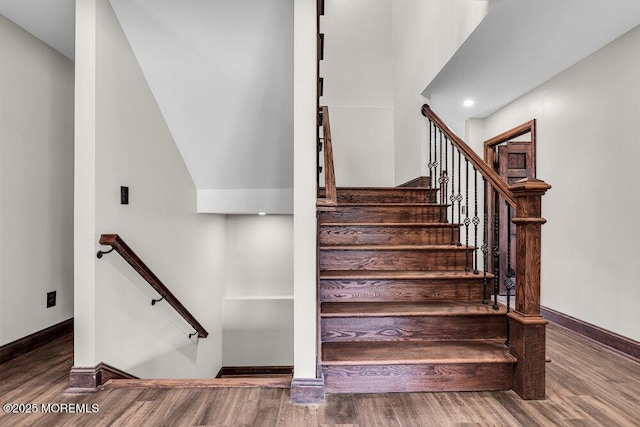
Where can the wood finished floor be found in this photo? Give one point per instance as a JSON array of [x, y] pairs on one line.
[[587, 385]]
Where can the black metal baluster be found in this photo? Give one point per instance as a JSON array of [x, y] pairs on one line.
[[496, 248], [452, 198], [485, 244], [476, 221], [445, 179], [508, 282], [467, 221], [459, 196], [443, 195]]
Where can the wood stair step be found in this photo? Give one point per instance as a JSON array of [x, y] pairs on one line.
[[381, 285], [395, 257], [415, 352], [402, 309], [439, 321], [385, 212], [384, 194], [400, 274], [411, 366], [419, 233]]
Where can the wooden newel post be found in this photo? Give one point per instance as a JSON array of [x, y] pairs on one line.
[[528, 328]]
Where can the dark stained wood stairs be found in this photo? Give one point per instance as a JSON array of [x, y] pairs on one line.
[[399, 309]]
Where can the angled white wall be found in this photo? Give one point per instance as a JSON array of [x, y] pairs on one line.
[[123, 140], [222, 73], [426, 33], [36, 183], [358, 89], [379, 56], [587, 149]]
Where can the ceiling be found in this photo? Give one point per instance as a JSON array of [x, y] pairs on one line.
[[52, 21], [520, 45]]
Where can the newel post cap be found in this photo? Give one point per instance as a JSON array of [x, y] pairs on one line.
[[528, 187]]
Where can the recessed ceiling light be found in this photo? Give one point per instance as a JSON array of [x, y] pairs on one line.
[[262, 213], [468, 102]]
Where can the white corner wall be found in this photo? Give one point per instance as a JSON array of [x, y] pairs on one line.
[[426, 33], [587, 148], [258, 304], [358, 80], [304, 189], [119, 119], [36, 183]]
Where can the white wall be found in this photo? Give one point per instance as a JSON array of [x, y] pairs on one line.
[[426, 33], [222, 73], [258, 304], [133, 147], [36, 183], [587, 148], [358, 88]]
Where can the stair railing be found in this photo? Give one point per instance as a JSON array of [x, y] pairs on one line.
[[119, 245], [330, 199], [451, 160]]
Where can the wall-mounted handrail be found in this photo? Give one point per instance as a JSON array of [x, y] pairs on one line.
[[330, 196], [119, 245], [485, 170]]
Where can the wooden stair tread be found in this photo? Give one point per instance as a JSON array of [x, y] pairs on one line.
[[390, 204], [420, 308], [398, 274], [273, 381], [386, 247], [391, 224], [379, 188], [415, 352]]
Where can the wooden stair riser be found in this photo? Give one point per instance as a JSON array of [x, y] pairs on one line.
[[382, 213], [414, 195], [388, 234], [418, 377], [438, 328], [332, 290], [415, 259]]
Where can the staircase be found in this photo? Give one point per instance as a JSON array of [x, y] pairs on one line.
[[401, 310]]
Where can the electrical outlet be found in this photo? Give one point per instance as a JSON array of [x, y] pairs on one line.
[[51, 299], [124, 195]]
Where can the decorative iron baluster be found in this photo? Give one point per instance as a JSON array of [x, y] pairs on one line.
[[452, 198], [507, 342], [485, 244], [441, 181], [496, 248], [467, 221], [476, 221], [508, 281], [459, 196], [509, 269], [445, 179]]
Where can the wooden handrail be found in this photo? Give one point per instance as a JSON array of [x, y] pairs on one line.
[[481, 166], [116, 242], [330, 196]]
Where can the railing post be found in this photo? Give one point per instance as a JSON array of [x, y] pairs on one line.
[[528, 328]]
